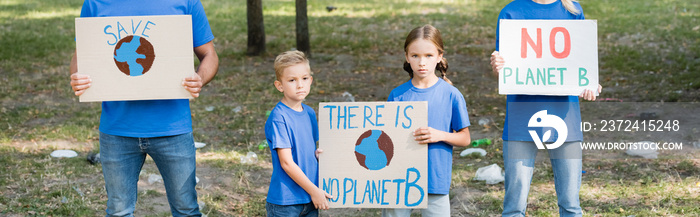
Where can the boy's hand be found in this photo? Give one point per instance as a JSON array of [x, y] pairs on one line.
[[318, 151], [320, 199], [193, 84], [80, 83], [588, 94], [497, 62], [425, 135]]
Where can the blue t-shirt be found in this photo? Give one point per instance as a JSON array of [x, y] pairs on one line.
[[287, 128], [447, 111], [149, 118], [520, 108]]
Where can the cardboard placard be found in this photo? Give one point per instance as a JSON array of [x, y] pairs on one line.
[[136, 57], [370, 157], [548, 57]]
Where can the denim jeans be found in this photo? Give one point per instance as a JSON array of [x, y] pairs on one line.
[[438, 206], [306, 210], [122, 159], [519, 160]]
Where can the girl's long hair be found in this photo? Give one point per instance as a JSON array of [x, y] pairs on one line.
[[569, 5], [431, 34]]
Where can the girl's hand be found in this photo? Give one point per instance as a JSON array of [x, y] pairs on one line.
[[80, 83], [497, 62], [320, 199], [588, 94], [318, 151], [425, 135]]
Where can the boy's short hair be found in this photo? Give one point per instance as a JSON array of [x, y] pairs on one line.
[[287, 59]]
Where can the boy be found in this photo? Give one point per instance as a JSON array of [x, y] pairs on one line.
[[292, 132]]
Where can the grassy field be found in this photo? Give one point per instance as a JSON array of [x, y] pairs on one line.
[[649, 51]]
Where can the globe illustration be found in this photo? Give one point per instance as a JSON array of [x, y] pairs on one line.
[[374, 149], [134, 55]]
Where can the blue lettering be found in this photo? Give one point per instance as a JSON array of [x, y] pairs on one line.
[[344, 117], [366, 117], [384, 191], [345, 188], [134, 28], [120, 28], [398, 189], [414, 185], [516, 76], [507, 72], [330, 115], [396, 124], [410, 122], [146, 27], [582, 72], [350, 115], [376, 118], [367, 192], [354, 194], [113, 35]]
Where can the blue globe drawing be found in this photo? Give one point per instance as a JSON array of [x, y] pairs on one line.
[[134, 55], [374, 150]]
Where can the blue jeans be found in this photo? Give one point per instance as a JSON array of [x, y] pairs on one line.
[[122, 159], [274, 210], [519, 161]]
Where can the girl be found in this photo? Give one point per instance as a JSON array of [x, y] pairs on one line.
[[448, 118], [519, 150]]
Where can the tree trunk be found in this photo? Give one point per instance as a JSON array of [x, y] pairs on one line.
[[303, 43], [256, 29]]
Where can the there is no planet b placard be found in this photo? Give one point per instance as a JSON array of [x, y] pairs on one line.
[[370, 157], [136, 57], [548, 57]]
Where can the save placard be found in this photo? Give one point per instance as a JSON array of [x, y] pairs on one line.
[[135, 58], [370, 157], [548, 57]]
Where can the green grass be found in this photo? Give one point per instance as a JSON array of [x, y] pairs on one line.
[[648, 51]]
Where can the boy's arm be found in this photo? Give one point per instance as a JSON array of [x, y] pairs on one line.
[[318, 196], [425, 135], [77, 81], [208, 66]]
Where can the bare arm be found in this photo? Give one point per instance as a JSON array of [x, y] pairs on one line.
[[318, 196], [425, 135], [208, 66], [77, 81]]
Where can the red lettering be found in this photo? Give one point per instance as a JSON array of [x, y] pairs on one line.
[[526, 39], [567, 43]]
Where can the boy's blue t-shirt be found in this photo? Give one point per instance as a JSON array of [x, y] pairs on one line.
[[447, 111], [149, 118], [287, 128], [520, 108]]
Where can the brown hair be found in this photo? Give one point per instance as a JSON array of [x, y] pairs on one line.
[[287, 59], [431, 34]]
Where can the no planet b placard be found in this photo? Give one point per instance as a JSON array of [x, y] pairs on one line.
[[370, 157], [135, 58], [548, 57]]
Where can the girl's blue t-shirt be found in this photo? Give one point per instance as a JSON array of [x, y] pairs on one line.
[[520, 108], [149, 118], [298, 131], [447, 111]]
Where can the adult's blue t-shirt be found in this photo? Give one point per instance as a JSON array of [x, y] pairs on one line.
[[447, 111], [149, 118], [520, 108], [298, 131]]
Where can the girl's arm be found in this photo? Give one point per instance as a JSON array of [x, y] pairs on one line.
[[425, 135], [318, 196]]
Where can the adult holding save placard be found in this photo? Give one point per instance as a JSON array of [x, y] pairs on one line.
[[520, 144], [130, 130]]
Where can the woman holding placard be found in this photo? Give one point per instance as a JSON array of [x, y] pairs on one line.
[[520, 144]]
